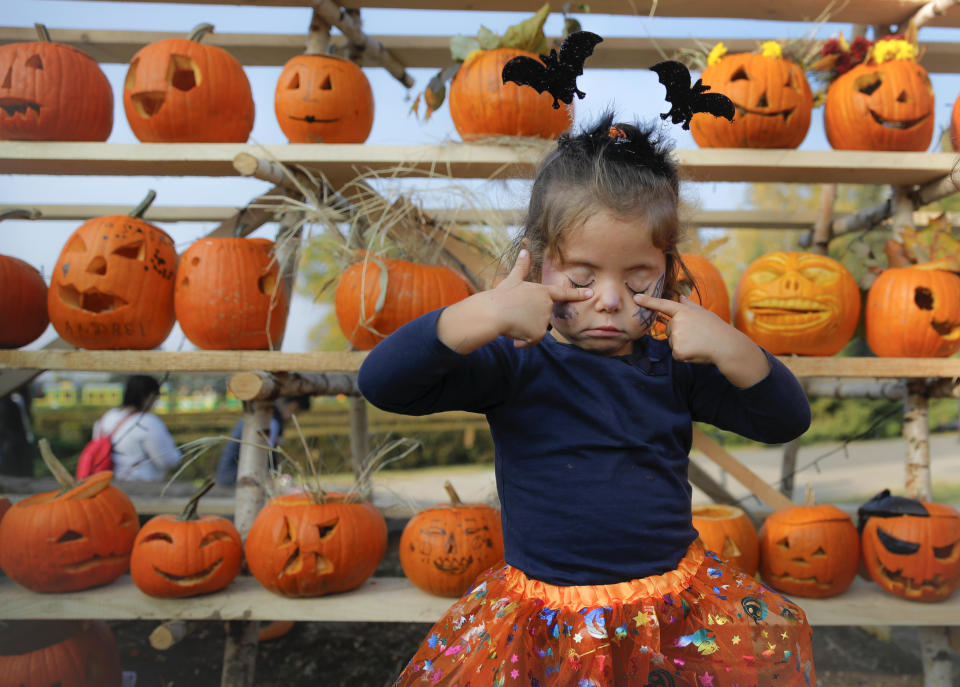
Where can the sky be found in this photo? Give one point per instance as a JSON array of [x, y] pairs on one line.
[[630, 92]]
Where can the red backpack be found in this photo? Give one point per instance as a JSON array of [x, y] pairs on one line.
[[97, 455]]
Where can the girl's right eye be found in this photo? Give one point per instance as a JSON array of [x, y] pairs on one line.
[[580, 286]]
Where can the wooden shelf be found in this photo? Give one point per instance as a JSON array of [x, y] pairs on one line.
[[387, 599], [342, 162], [855, 11]]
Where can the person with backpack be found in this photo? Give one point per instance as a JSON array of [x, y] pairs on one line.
[[142, 448]]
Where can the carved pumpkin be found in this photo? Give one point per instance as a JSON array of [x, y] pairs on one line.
[[801, 303], [52, 92], [377, 296], [45, 653], [773, 101], [913, 312], [729, 533], [229, 294], [323, 99], [888, 106], [911, 548], [76, 538], [482, 105], [298, 547], [811, 551], [181, 91], [23, 303], [955, 125], [112, 286], [445, 547], [178, 556]]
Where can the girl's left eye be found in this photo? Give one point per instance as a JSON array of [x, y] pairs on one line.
[[577, 284]]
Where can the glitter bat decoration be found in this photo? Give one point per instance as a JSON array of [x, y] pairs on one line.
[[555, 73], [686, 100]]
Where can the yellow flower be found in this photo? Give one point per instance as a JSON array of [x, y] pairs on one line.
[[896, 49], [771, 49], [719, 50]]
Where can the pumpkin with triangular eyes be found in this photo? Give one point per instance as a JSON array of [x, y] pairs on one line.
[[911, 548], [729, 533], [299, 545], [811, 551]]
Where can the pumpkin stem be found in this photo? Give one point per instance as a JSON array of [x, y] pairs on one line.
[[318, 38], [42, 33], [190, 510], [809, 498], [144, 205], [199, 31], [454, 496], [64, 478]]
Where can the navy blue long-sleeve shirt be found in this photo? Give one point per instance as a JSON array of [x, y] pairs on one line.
[[591, 451]]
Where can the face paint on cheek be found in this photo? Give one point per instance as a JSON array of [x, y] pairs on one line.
[[563, 311], [645, 315]]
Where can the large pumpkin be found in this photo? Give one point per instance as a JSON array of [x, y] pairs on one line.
[[112, 286], [911, 548], [299, 547], [52, 92], [323, 99], [46, 653], [913, 312], [229, 294], [375, 297], [179, 556], [182, 91], [811, 551], [794, 302], [76, 538], [729, 533], [888, 106], [443, 548], [23, 303], [482, 105], [772, 98]]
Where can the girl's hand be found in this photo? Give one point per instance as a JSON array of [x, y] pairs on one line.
[[696, 335]]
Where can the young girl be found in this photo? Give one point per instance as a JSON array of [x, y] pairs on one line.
[[604, 581]]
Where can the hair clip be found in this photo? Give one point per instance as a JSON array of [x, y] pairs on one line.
[[689, 100], [556, 74], [617, 134]]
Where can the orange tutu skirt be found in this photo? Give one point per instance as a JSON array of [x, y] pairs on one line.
[[705, 624]]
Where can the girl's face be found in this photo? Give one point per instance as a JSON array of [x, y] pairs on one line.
[[615, 257]]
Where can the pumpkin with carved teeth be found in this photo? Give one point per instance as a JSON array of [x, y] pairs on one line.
[[911, 548]]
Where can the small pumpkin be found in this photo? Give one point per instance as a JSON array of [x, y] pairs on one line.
[[913, 312], [179, 556], [795, 302], [771, 95], [809, 550], [375, 297], [482, 105], [41, 653], [182, 91], [911, 548], [75, 538], [53, 92], [443, 548], [229, 294], [729, 533], [955, 125], [298, 546], [323, 99], [23, 303]]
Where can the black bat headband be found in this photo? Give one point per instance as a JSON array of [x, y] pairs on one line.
[[687, 100], [556, 74]]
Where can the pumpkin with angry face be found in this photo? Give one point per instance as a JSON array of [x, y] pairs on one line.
[[323, 99], [298, 546], [811, 551], [801, 303], [911, 548]]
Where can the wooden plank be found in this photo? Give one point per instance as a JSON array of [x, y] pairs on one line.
[[870, 12], [155, 213], [389, 599], [342, 162]]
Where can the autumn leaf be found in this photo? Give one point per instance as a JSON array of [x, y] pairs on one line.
[[528, 34]]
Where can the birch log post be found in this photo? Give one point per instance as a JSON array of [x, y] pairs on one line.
[[360, 445], [268, 386]]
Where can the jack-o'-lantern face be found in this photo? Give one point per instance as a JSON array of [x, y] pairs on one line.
[[810, 551], [888, 106], [911, 548], [801, 303], [113, 285], [772, 98], [323, 99], [297, 547], [179, 90]]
